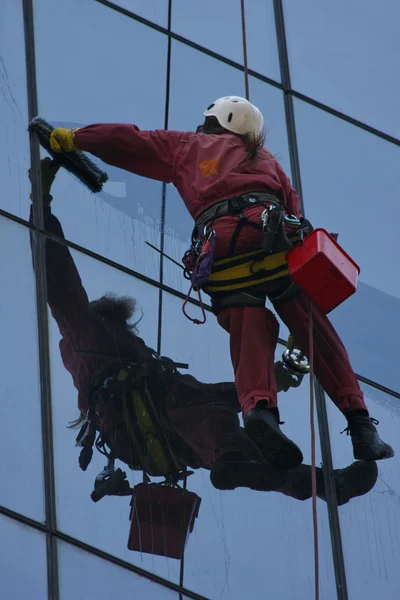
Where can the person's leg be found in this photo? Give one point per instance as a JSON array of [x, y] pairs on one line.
[[209, 425], [355, 480], [253, 337], [334, 372]]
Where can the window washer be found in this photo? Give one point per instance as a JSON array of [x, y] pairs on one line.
[[242, 202], [195, 424]]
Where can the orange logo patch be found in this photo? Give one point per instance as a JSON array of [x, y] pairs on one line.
[[209, 167]]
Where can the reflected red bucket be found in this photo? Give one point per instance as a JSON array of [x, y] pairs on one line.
[[161, 519], [323, 269]]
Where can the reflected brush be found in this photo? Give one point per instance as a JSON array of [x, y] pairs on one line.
[[75, 162]]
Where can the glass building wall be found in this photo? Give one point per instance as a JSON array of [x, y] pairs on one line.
[[325, 80]]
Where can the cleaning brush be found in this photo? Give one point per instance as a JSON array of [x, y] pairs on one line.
[[75, 162]]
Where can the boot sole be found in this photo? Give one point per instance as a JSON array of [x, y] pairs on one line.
[[265, 478], [274, 446], [366, 452]]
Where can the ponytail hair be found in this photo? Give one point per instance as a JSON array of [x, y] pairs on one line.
[[253, 144]]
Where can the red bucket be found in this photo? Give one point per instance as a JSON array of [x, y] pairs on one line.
[[323, 269], [161, 519]]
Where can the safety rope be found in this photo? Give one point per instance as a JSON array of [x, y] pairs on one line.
[[246, 70], [313, 462]]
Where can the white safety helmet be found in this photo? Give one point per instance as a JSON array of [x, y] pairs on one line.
[[237, 114]]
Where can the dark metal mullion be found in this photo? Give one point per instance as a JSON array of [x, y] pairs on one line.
[[16, 219], [343, 117], [161, 272], [378, 386], [330, 491], [336, 540], [164, 185], [11, 514], [293, 147], [288, 99], [129, 13], [41, 308]]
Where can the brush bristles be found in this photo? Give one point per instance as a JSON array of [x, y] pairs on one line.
[[75, 162]]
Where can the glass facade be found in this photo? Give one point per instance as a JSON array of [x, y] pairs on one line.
[[325, 80]]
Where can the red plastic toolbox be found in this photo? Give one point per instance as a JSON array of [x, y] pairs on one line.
[[323, 269], [161, 519]]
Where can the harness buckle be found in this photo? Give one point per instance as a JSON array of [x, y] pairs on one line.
[[266, 215]]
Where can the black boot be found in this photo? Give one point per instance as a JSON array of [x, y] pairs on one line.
[[263, 428], [355, 480], [235, 470], [367, 445]]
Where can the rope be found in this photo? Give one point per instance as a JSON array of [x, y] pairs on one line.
[[313, 464], [204, 317], [246, 70], [311, 359]]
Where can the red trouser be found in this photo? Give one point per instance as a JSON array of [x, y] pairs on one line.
[[207, 421], [253, 338]]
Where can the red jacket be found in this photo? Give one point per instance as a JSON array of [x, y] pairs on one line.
[[204, 168], [91, 344]]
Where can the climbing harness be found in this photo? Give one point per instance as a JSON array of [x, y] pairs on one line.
[[136, 390], [235, 205], [247, 270], [239, 272], [199, 259], [162, 514]]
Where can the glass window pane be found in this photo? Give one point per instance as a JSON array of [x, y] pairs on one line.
[[20, 414], [344, 54], [218, 26], [187, 104], [23, 564], [14, 139], [79, 573], [155, 11], [370, 523], [107, 44], [234, 527], [350, 186], [104, 524]]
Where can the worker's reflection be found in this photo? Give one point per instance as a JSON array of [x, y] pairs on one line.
[[136, 407]]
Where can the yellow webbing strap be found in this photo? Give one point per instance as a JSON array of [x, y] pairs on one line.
[[247, 270], [159, 451]]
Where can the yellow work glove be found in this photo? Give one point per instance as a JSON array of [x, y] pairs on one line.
[[62, 139]]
